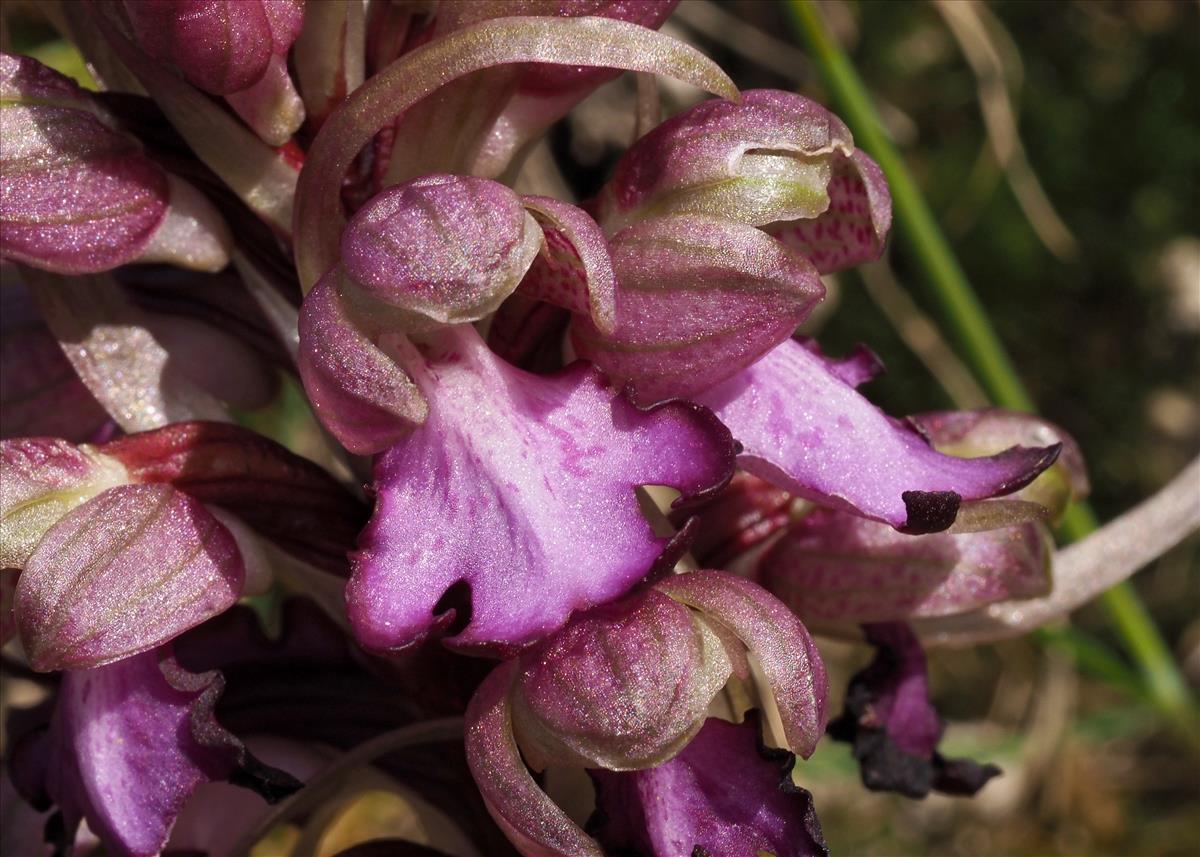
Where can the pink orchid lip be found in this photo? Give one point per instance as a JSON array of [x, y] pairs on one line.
[[510, 479], [805, 429], [435, 251]]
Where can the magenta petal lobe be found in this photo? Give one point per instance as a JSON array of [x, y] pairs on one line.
[[805, 429], [127, 745], [443, 248], [723, 795], [518, 484], [129, 570], [623, 687]]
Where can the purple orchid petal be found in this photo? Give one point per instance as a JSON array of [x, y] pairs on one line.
[[622, 687], [319, 217], [520, 476], [359, 390], [42, 479], [126, 571], [126, 746], [442, 248], [768, 157], [805, 429], [775, 638], [573, 269], [854, 228], [701, 298], [725, 794], [523, 811], [990, 430], [894, 728], [40, 394], [284, 497], [834, 566], [76, 195], [221, 46]]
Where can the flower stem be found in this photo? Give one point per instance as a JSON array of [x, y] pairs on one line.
[[972, 333]]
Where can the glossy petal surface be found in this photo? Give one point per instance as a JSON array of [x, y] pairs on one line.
[[518, 484], [445, 248], [723, 795], [527, 816], [805, 429], [76, 195], [834, 566], [775, 638], [765, 158], [127, 571], [221, 46], [359, 391], [700, 299], [855, 226], [42, 479], [622, 687], [573, 268], [127, 745]]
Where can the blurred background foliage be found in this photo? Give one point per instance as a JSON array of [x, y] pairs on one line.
[[1059, 146]]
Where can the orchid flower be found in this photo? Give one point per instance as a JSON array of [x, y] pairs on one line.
[[119, 551], [610, 491], [626, 687]]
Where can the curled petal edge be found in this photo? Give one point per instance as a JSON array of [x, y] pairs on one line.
[[534, 823]]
